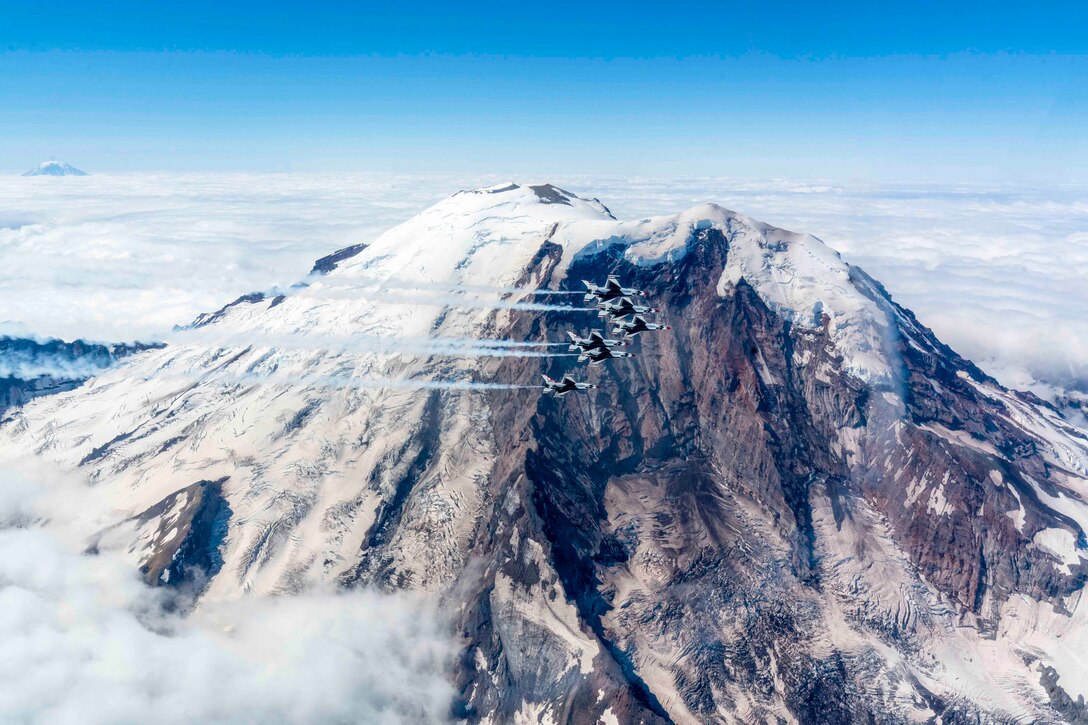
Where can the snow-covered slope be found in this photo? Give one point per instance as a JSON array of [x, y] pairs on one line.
[[30, 368], [294, 397], [798, 501], [55, 168]]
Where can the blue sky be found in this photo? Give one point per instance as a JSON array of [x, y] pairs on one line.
[[939, 91]]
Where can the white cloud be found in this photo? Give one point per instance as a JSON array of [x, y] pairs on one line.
[[13, 364], [998, 272], [82, 640]]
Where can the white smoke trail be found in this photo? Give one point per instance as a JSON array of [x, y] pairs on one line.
[[517, 344], [336, 382], [443, 300], [423, 285], [477, 289], [371, 343]]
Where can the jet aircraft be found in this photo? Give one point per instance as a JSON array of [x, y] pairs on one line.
[[610, 290], [595, 341], [622, 307], [630, 328], [564, 386], [598, 355]]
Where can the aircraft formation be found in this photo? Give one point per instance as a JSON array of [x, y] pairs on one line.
[[616, 304]]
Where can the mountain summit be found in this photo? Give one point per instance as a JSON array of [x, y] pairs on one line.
[[797, 504], [55, 168]]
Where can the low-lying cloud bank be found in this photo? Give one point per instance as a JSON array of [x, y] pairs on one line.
[[83, 640], [997, 271]]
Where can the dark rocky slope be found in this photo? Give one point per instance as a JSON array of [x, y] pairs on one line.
[[674, 505]]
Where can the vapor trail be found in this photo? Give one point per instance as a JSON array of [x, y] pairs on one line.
[[379, 344], [395, 284], [332, 293], [339, 382]]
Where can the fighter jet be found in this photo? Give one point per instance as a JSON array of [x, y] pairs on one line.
[[564, 386], [610, 290], [595, 341], [622, 307], [630, 328], [598, 355]]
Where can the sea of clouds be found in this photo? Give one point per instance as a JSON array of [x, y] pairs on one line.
[[997, 271]]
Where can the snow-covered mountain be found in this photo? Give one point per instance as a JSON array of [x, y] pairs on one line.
[[55, 168], [796, 505]]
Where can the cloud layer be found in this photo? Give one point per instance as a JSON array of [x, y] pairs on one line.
[[997, 271], [82, 640]]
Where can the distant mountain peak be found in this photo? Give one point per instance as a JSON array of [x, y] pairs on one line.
[[55, 168]]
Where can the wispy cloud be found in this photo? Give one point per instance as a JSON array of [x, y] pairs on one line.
[[82, 640], [26, 368]]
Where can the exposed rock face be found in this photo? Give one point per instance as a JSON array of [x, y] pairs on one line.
[[796, 505], [185, 532], [329, 262]]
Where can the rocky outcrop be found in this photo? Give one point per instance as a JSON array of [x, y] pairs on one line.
[[330, 261], [180, 537]]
